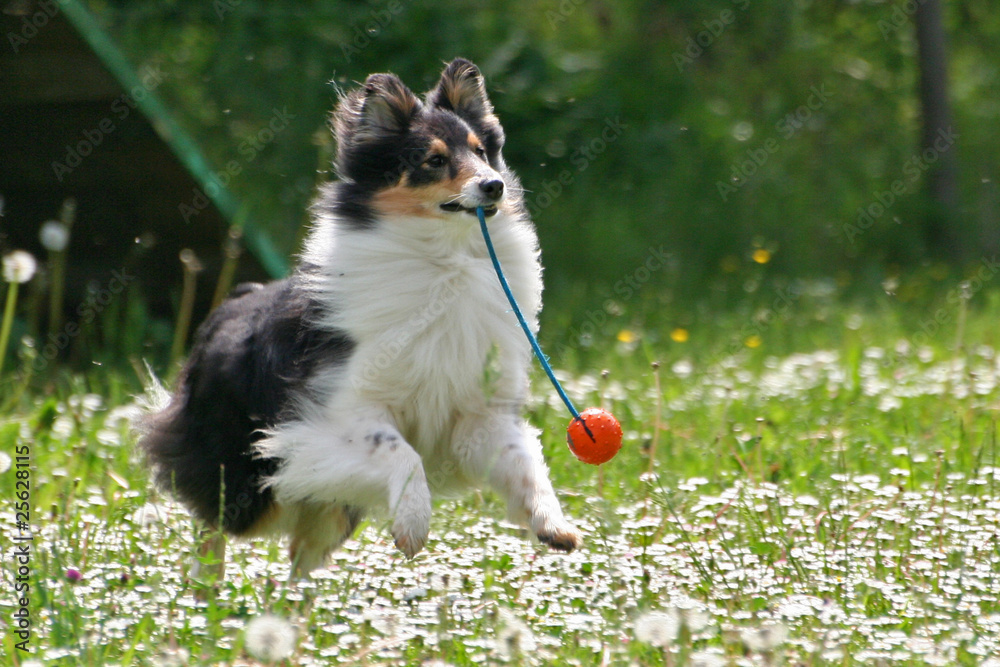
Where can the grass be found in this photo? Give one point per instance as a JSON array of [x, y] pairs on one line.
[[822, 491]]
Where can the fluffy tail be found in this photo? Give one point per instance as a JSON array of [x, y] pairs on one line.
[[153, 399], [199, 450]]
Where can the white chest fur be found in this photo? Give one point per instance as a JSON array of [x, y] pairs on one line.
[[422, 301]]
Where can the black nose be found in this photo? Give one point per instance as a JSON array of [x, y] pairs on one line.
[[492, 189]]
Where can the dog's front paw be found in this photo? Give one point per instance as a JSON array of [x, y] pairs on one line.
[[412, 522], [561, 536], [410, 545], [408, 539]]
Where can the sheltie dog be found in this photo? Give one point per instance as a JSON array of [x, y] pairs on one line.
[[389, 366]]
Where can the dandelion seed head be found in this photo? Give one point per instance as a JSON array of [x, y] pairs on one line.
[[4, 462], [19, 266], [54, 236], [658, 628], [270, 638]]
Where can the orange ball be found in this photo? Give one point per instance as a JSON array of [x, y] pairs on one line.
[[607, 438]]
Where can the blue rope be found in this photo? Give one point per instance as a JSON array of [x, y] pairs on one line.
[[524, 325]]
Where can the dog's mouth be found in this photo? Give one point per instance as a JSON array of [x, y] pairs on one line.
[[455, 207]]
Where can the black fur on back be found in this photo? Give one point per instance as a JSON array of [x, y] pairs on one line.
[[250, 359]]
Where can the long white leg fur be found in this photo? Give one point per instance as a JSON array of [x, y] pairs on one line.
[[505, 451], [363, 462]]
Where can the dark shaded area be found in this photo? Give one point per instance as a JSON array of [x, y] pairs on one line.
[[942, 178], [69, 129]]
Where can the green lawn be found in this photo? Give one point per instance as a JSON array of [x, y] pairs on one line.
[[822, 490]]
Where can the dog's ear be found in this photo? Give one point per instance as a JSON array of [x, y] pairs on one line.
[[384, 106], [461, 89]]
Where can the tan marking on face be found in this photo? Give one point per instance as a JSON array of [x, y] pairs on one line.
[[402, 200], [474, 142], [438, 146], [423, 201]]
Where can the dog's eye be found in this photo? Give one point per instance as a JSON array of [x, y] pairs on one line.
[[436, 161], [481, 152]]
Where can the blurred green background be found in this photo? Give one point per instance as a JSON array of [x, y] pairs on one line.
[[690, 97]]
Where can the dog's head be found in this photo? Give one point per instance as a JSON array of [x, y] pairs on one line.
[[436, 157]]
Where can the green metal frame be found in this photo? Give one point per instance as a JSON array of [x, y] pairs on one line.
[[183, 146]]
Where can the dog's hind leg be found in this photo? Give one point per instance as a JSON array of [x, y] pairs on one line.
[[317, 531]]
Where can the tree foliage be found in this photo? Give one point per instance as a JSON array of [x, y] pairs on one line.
[[713, 129]]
